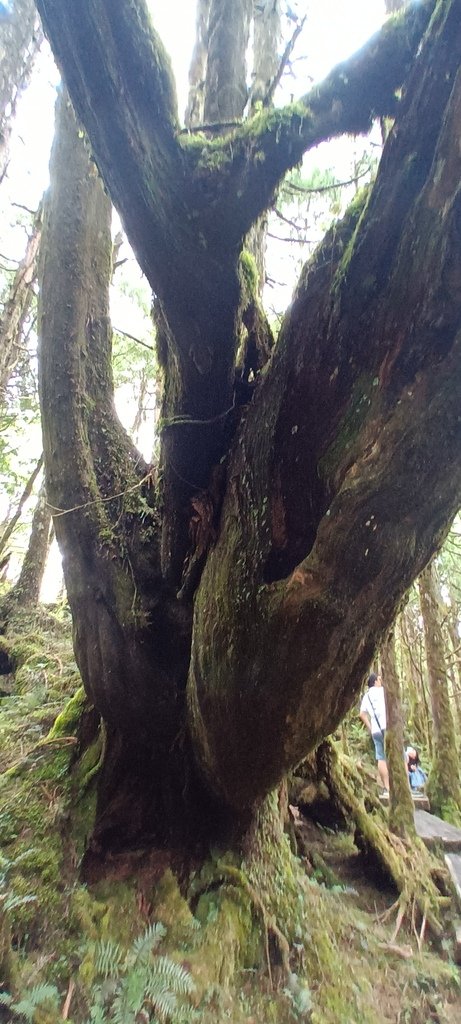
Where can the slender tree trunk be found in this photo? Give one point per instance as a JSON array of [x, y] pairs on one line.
[[455, 645], [401, 809], [197, 73], [22, 501], [267, 33], [444, 787], [226, 90], [140, 410], [418, 717], [20, 40], [27, 589], [17, 305]]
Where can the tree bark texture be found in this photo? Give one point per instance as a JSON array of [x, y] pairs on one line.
[[131, 636], [306, 514], [20, 41], [401, 808], [17, 306], [444, 783]]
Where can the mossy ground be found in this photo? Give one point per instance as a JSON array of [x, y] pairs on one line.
[[269, 938]]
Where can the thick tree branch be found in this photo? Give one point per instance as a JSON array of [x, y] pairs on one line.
[[121, 85], [348, 471], [357, 91]]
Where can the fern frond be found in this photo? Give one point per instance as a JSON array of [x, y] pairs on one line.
[[37, 995], [174, 975], [97, 1015], [120, 1014], [5, 999], [108, 958], [134, 988], [165, 1005], [148, 941], [10, 902]]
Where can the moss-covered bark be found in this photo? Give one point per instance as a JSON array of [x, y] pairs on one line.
[[350, 413], [131, 636]]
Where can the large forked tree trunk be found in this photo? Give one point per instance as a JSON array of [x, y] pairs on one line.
[[335, 484]]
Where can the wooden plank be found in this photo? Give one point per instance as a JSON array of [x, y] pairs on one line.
[[457, 949], [420, 800], [453, 862], [435, 832]]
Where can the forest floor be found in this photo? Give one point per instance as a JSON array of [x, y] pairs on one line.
[[74, 947]]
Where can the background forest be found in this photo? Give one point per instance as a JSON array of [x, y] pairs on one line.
[[321, 904]]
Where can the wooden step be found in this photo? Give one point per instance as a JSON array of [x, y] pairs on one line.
[[435, 832], [420, 801], [453, 862], [457, 944]]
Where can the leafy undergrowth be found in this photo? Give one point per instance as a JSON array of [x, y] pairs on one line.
[[142, 947]]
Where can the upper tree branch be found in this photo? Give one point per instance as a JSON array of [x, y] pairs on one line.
[[356, 92], [120, 82]]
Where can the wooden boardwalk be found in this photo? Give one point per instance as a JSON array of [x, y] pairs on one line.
[[453, 862], [420, 801], [435, 832]]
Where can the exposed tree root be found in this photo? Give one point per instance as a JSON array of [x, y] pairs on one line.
[[274, 939], [406, 862]]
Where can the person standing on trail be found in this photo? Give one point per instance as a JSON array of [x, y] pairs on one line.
[[373, 714]]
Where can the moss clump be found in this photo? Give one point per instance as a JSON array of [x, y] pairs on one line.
[[171, 908], [249, 277], [67, 721]]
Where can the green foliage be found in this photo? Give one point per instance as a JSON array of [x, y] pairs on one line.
[[136, 981], [37, 996]]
